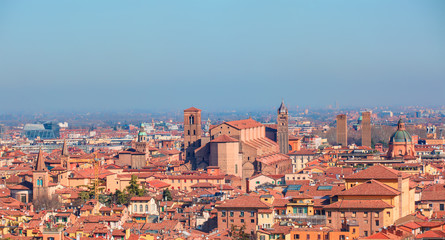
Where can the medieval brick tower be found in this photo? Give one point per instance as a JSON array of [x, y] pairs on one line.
[[342, 130], [40, 178], [65, 158], [283, 128], [366, 129], [192, 134]]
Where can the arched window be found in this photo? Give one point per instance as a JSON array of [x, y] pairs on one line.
[[135, 208], [141, 208], [194, 132], [192, 120], [146, 208]]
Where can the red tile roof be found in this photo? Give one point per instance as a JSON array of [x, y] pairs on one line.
[[244, 124], [244, 202], [370, 188], [377, 172], [359, 204], [223, 139]]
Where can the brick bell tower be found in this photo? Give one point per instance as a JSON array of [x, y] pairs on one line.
[[192, 134], [40, 178], [283, 128]]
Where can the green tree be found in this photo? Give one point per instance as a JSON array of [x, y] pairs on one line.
[[167, 195], [134, 189], [238, 233]]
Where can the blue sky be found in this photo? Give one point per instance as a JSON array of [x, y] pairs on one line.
[[219, 55]]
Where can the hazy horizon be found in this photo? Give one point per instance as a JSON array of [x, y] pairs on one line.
[[220, 55]]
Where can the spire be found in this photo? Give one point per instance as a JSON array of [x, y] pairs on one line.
[[65, 149], [282, 108], [40, 163]]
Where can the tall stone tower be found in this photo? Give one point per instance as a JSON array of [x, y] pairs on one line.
[[65, 158], [283, 128], [40, 178], [342, 130], [366, 129], [192, 134]]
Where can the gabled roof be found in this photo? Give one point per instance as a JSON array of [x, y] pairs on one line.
[[244, 124], [245, 202], [192, 109], [370, 188], [223, 139], [359, 204], [377, 172]]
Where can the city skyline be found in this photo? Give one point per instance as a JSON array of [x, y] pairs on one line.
[[110, 56]]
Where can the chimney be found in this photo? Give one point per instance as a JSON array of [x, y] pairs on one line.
[[399, 233]]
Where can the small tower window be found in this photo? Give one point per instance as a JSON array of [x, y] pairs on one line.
[[191, 120]]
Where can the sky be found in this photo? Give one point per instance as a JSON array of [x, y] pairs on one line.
[[219, 55]]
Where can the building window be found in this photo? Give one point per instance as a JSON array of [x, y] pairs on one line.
[[241, 214], [442, 207], [188, 133], [191, 120], [377, 223], [365, 214], [319, 237], [252, 214], [252, 220], [146, 208], [296, 236], [366, 233], [376, 214], [231, 220], [329, 213], [231, 213], [141, 208], [242, 220], [223, 213], [342, 214], [308, 237], [135, 208], [389, 214], [353, 214]]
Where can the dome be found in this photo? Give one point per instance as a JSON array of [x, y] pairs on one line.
[[401, 135], [142, 134]]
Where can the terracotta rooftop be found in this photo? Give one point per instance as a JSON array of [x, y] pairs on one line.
[[244, 124], [359, 204], [223, 139], [370, 188], [377, 172], [192, 109], [244, 202]]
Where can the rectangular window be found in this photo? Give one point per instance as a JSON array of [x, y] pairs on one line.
[[442, 207], [376, 214], [241, 214], [365, 214], [223, 213], [308, 237], [329, 213], [296, 236], [342, 214], [242, 220], [252, 214], [354, 214], [252, 220], [366, 233], [377, 223], [231, 213], [319, 237]]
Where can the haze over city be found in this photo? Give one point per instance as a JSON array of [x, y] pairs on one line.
[[220, 55], [222, 120]]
